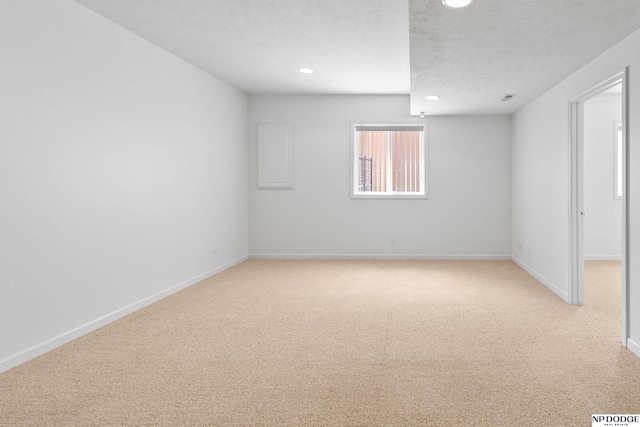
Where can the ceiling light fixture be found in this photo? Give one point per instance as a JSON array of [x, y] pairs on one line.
[[456, 4], [432, 97], [305, 70]]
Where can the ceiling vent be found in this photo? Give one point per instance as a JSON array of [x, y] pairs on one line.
[[508, 97]]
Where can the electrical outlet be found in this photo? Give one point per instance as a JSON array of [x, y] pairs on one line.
[[214, 253], [520, 246], [393, 241]]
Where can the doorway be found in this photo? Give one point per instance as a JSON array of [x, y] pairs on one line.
[[578, 210]]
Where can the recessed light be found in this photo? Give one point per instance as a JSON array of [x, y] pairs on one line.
[[305, 70], [456, 4], [432, 97]]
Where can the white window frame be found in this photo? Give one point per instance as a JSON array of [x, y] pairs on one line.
[[618, 162], [353, 176]]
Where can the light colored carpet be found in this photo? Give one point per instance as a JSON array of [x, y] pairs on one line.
[[344, 343]]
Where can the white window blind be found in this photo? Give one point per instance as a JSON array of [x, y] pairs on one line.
[[389, 160]]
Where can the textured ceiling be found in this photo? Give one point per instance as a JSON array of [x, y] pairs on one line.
[[470, 57], [354, 46]]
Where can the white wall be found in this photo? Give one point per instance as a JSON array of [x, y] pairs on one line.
[[603, 219], [121, 168], [541, 175], [468, 212]]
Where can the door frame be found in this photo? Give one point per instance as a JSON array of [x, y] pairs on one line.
[[576, 203]]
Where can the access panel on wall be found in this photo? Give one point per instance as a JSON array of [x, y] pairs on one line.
[[275, 157]]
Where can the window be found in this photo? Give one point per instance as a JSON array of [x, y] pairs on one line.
[[388, 161], [619, 163]]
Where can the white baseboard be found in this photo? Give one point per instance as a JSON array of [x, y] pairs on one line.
[[633, 346], [603, 258], [381, 256], [553, 288], [68, 336]]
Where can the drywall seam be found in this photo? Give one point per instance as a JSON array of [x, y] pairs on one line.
[[91, 326], [553, 288]]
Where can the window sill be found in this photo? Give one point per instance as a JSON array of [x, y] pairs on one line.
[[389, 196]]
